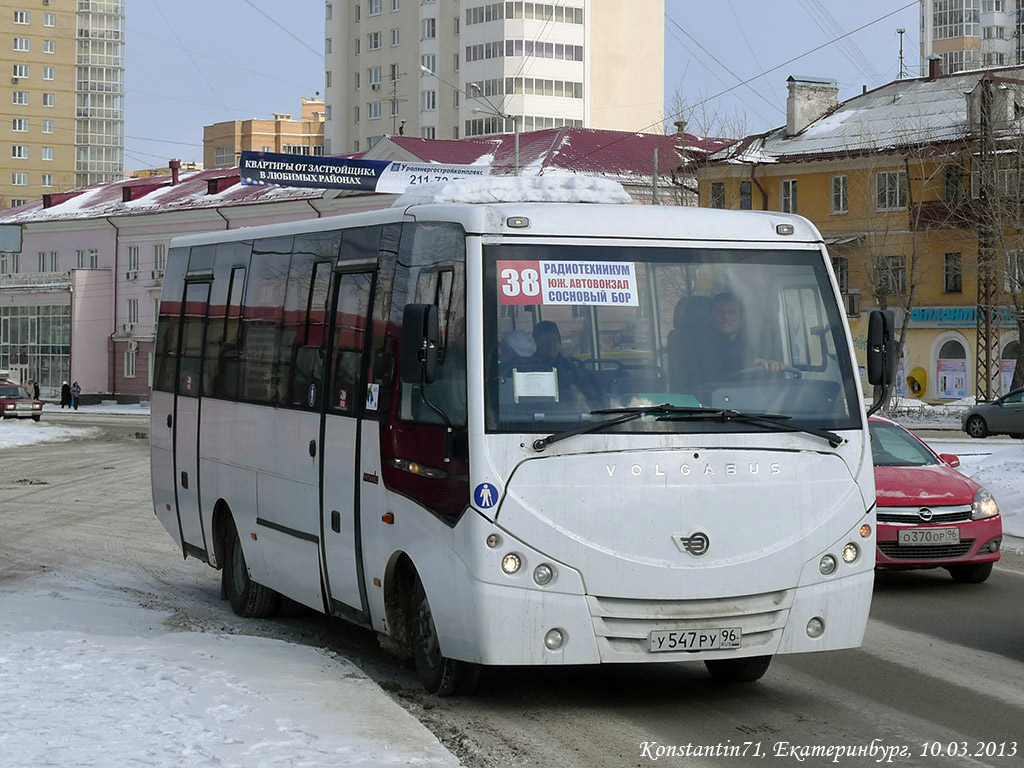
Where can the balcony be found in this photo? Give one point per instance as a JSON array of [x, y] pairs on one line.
[[36, 281]]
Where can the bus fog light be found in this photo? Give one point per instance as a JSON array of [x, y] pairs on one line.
[[827, 565], [493, 540], [850, 553], [553, 639], [543, 574], [511, 563], [816, 627]]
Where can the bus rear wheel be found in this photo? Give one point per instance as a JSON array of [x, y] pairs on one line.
[[745, 670], [439, 675], [247, 598]]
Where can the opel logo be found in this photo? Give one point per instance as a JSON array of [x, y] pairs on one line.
[[925, 514], [696, 544]]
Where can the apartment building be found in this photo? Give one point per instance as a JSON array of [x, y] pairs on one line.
[[450, 69], [63, 96], [223, 142], [971, 34]]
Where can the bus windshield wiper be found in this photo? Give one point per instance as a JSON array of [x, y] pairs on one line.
[[673, 412]]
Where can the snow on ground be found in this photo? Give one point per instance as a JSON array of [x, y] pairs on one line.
[[14, 432], [91, 679]]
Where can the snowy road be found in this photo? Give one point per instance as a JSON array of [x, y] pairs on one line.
[[115, 651]]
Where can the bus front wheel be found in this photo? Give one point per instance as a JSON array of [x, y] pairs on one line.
[[439, 675], [745, 670], [247, 598]]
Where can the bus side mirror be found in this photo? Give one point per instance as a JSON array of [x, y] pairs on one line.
[[420, 331], [881, 348]]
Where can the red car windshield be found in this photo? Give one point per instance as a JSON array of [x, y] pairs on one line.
[[893, 446], [12, 390]]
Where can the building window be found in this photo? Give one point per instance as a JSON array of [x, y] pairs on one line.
[[327, 45], [328, 12], [373, 41], [894, 275], [49, 73], [428, 132], [87, 258], [953, 184], [49, 46], [356, 76], [48, 99], [373, 7], [19, 124], [394, 36], [428, 101], [22, 17], [428, 29], [46, 180], [19, 151], [718, 194], [840, 200], [890, 190], [953, 273], [429, 61], [395, 5], [21, 70], [19, 179], [745, 196], [841, 266], [224, 156], [129, 364], [49, 19], [47, 126], [356, 119], [373, 110], [133, 258], [20, 98], [373, 74], [159, 257], [133, 311], [22, 44], [1013, 274], [47, 153], [788, 196]]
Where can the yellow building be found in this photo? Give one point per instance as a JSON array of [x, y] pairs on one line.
[[223, 142], [62, 91], [890, 178]]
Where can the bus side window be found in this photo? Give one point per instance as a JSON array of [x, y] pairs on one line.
[[220, 358], [261, 318], [354, 295], [168, 326]]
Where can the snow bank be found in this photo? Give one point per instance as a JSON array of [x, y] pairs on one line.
[[28, 432], [567, 188]]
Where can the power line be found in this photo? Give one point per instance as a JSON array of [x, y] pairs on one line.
[[283, 28]]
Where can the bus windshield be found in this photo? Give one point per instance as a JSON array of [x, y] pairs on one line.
[[574, 329]]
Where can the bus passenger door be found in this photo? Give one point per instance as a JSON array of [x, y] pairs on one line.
[[187, 412], [346, 399]]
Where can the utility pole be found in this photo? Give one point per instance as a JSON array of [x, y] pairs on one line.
[[987, 322], [902, 71], [395, 101]]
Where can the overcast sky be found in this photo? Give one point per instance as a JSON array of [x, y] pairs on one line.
[[190, 63]]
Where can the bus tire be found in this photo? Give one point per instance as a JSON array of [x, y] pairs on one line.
[[745, 670], [439, 675], [247, 598]]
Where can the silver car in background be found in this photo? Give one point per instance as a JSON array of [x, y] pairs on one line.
[[1004, 416]]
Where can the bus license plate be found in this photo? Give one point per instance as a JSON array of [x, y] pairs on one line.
[[695, 639], [922, 537]]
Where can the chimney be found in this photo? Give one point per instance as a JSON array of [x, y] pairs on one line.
[[175, 166], [934, 66], [680, 125], [809, 99]]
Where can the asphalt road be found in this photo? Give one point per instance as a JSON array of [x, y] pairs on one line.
[[941, 672]]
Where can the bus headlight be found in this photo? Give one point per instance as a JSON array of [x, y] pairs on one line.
[[850, 553], [827, 565], [511, 563], [984, 505]]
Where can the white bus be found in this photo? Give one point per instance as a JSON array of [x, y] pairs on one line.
[[523, 433]]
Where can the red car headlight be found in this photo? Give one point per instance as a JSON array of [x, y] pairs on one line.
[[984, 505]]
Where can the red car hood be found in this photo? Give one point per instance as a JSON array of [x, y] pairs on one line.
[[936, 485]]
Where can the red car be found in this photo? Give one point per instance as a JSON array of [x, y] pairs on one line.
[[929, 515], [17, 403]]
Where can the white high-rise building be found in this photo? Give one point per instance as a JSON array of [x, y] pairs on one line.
[[971, 34], [452, 69]]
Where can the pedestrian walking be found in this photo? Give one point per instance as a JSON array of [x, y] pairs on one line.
[[35, 390], [65, 395], [76, 393]]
